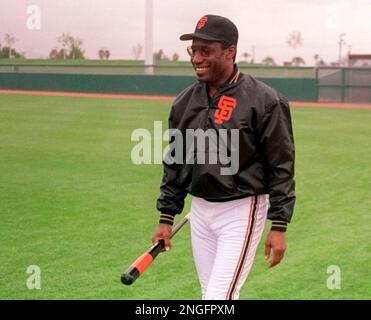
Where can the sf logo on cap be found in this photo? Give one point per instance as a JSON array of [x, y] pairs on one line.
[[202, 22], [225, 109]]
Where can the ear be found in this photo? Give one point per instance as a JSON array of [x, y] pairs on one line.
[[231, 52]]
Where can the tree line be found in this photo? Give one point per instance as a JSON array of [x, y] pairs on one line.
[[70, 47], [6, 47]]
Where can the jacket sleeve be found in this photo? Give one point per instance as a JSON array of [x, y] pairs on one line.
[[172, 195], [277, 145]]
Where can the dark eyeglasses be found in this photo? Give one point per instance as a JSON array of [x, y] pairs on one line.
[[204, 51]]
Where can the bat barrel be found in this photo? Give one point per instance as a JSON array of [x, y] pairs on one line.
[[141, 264]]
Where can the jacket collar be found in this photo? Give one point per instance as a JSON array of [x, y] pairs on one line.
[[234, 76], [231, 80]]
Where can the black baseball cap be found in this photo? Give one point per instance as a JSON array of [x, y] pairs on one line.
[[214, 28]]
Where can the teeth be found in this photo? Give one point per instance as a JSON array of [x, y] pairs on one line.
[[201, 69]]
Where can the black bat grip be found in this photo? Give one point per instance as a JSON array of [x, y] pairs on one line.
[[157, 248]]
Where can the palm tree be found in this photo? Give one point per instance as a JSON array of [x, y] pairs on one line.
[[297, 61], [295, 40], [246, 55], [175, 57], [137, 51], [101, 53], [107, 54], [316, 59], [269, 61]]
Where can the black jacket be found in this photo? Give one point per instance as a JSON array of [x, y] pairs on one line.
[[266, 149]]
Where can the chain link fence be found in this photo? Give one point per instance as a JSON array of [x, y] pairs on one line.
[[344, 84]]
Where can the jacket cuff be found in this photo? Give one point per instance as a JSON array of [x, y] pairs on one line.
[[278, 225], [167, 218]]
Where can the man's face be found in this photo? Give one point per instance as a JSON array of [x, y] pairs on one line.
[[210, 60]]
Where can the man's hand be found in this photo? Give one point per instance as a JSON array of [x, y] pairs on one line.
[[163, 232], [275, 240]]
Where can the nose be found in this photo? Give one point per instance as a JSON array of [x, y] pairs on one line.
[[197, 58]]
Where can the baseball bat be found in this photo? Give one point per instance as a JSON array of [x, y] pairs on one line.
[[145, 260]]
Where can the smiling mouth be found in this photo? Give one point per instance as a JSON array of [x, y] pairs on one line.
[[201, 69]]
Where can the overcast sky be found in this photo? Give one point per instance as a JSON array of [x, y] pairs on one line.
[[118, 25]]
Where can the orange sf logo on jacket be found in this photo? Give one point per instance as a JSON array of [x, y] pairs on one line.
[[226, 106]]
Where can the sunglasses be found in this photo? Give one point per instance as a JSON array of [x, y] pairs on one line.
[[204, 51]]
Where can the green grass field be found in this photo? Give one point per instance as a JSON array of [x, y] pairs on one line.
[[72, 203]]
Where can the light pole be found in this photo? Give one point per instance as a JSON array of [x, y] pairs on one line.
[[148, 46], [253, 54], [349, 52], [341, 42]]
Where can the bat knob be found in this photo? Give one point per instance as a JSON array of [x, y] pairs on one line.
[[127, 279], [130, 276]]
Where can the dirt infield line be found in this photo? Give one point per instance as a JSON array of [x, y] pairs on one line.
[[171, 98], [90, 95]]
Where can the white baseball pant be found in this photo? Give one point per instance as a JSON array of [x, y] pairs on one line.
[[225, 236]]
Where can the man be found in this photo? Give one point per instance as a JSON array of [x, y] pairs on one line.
[[228, 211]]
